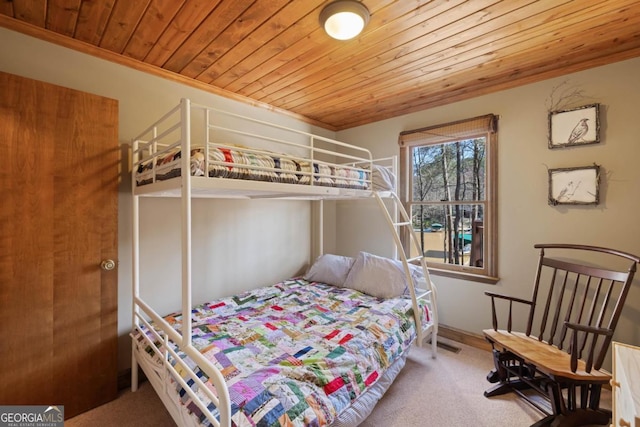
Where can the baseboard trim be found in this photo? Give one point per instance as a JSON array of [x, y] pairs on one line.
[[464, 337]]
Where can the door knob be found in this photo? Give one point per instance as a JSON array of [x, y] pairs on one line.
[[108, 264]]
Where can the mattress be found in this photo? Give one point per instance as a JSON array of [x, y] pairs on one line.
[[297, 353], [248, 164]]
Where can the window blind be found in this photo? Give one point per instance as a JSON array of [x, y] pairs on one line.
[[454, 131]]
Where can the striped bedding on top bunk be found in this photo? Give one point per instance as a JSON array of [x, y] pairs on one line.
[[298, 353], [244, 163]]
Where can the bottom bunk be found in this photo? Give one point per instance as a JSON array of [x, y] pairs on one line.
[[298, 353]]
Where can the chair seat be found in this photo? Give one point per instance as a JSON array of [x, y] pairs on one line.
[[547, 358]]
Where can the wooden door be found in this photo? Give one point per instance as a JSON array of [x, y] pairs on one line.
[[58, 221]]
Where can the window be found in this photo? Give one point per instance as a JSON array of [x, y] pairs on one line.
[[448, 184]]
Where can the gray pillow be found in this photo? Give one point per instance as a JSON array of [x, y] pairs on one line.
[[330, 269], [380, 277], [383, 179]]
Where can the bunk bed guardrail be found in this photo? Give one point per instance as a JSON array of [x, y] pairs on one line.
[[299, 157]]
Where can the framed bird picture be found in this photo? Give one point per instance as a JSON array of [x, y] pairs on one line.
[[574, 186], [578, 126]]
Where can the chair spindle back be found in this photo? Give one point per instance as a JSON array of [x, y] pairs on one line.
[[574, 292]]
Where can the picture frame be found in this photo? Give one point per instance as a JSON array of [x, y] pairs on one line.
[[578, 126], [574, 186]]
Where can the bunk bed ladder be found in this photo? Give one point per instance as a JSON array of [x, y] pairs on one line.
[[400, 222]]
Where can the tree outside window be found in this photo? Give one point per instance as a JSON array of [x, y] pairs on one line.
[[448, 184]]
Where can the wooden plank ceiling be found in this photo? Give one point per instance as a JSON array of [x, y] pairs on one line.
[[411, 56]]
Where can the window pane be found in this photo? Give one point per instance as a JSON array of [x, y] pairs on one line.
[[449, 172], [450, 234]]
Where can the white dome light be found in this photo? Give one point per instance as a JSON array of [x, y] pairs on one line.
[[343, 20]]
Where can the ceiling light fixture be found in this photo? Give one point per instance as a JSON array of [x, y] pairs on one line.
[[344, 19]]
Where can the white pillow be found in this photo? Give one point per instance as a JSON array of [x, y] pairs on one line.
[[330, 269], [379, 277]]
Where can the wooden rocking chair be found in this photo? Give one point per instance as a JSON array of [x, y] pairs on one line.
[[572, 316]]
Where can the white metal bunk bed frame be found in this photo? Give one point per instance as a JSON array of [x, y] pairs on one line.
[[187, 187]]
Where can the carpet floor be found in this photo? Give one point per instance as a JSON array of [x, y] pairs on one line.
[[446, 391]]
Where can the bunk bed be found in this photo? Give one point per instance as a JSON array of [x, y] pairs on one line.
[[320, 349]]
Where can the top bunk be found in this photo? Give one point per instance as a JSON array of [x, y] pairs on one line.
[[234, 156]]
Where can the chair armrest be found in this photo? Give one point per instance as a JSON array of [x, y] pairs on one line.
[[576, 352], [600, 331], [494, 317], [514, 299]]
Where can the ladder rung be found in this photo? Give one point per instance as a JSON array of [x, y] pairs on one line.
[[414, 258], [402, 223]]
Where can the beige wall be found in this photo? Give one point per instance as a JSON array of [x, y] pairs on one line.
[[525, 218]]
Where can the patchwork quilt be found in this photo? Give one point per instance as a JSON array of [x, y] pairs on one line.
[[297, 353]]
